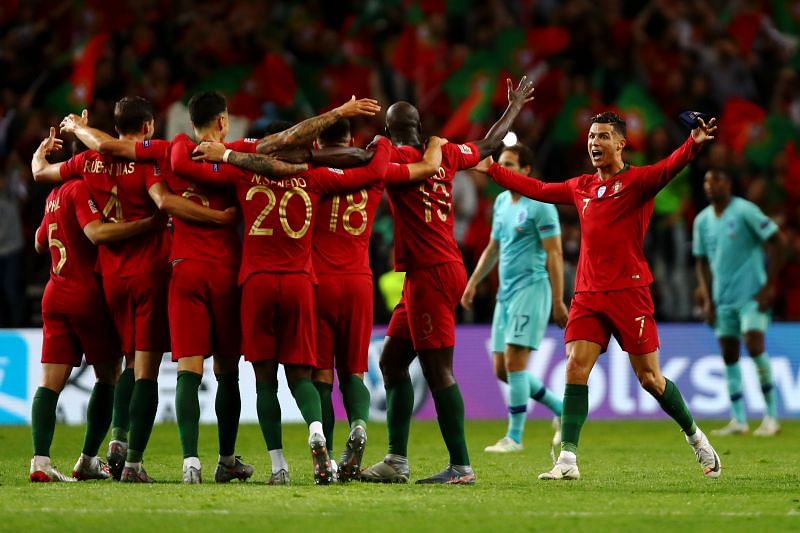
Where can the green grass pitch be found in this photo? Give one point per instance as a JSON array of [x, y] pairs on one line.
[[637, 476]]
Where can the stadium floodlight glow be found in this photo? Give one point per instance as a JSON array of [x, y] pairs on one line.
[[510, 139]]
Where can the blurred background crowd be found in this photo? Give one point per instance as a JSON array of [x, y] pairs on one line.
[[648, 60]]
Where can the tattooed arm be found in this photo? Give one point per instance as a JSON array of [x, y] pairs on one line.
[[263, 164], [306, 131]]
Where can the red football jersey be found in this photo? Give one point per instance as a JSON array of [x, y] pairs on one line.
[[68, 209], [342, 228], [614, 216], [119, 187], [203, 242], [423, 218], [278, 213]]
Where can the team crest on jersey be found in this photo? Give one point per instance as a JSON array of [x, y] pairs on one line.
[[601, 191], [215, 167], [522, 214], [616, 186], [336, 170], [146, 143], [465, 149]]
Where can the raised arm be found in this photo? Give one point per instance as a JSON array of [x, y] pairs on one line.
[[486, 263], [656, 177], [187, 210], [555, 271], [44, 171], [517, 98], [266, 165], [97, 140], [554, 193], [100, 232], [308, 130]]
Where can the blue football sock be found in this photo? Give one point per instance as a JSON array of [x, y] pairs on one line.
[[518, 394], [767, 387], [733, 375], [543, 395]]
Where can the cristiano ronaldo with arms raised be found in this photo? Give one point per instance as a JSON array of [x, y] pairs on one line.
[[612, 286]]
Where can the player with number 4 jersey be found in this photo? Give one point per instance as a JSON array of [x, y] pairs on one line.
[[76, 319]]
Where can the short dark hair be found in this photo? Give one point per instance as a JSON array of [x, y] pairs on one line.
[[336, 132], [524, 154], [277, 126], [131, 113], [205, 107], [609, 117]]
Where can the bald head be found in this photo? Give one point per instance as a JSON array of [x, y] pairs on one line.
[[402, 121]]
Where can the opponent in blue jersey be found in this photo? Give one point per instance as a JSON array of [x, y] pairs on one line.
[[526, 240], [729, 240]]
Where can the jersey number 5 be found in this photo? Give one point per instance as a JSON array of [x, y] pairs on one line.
[[58, 245]]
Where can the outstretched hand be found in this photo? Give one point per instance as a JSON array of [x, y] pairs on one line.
[[354, 108], [51, 143], [704, 132], [522, 94], [73, 121]]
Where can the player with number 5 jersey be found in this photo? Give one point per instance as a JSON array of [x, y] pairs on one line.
[[75, 318]]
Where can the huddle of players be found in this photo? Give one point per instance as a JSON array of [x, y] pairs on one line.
[[119, 186]]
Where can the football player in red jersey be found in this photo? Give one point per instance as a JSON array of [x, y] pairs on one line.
[[612, 295], [134, 271], [423, 323], [203, 303], [344, 293], [76, 319], [278, 311]]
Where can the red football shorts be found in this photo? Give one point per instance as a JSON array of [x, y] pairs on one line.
[[427, 310], [279, 319], [77, 322], [344, 322], [627, 314], [204, 309], [138, 307]]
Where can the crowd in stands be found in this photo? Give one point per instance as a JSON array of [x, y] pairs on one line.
[[649, 60]]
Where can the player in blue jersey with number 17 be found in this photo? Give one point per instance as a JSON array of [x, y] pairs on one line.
[[729, 239], [526, 240]]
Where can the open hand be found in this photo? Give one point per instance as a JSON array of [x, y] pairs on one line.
[[366, 107], [73, 121], [51, 143], [704, 132], [522, 94]]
